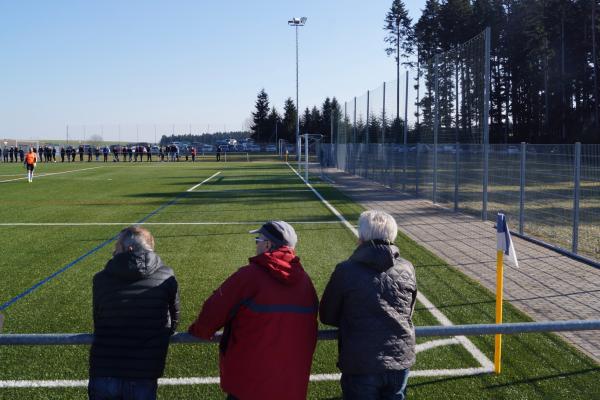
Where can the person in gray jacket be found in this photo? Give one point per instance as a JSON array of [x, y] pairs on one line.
[[136, 310], [371, 298]]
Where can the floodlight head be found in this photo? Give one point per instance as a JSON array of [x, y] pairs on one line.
[[297, 21]]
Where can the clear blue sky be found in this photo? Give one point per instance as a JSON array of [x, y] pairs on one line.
[[146, 63]]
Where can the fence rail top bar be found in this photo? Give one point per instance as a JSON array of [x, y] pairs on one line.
[[330, 334]]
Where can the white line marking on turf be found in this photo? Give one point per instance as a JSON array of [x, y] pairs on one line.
[[51, 173], [213, 380], [329, 206], [153, 223], [432, 344], [485, 362], [487, 365], [206, 180], [469, 346]]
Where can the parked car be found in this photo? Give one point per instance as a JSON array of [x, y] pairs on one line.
[[207, 148], [271, 148], [254, 148]]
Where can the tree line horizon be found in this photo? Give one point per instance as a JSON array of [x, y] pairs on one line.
[[543, 75]]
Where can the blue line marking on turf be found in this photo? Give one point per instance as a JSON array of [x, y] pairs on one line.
[[89, 253]]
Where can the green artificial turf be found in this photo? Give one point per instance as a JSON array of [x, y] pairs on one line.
[[535, 366]]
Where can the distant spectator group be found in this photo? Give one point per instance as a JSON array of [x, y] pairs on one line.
[[268, 312], [120, 153]]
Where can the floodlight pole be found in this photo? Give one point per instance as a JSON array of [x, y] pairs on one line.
[[296, 22]]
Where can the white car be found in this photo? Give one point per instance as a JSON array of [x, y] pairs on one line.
[[208, 147]]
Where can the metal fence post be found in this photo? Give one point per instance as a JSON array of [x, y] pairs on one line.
[[456, 164], [383, 122], [522, 188], [435, 128], [405, 132], [417, 170], [486, 126], [367, 138], [354, 124], [576, 196]]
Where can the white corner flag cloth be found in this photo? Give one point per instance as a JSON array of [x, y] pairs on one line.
[[504, 241]]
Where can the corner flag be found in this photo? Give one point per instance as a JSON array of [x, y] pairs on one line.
[[504, 241], [504, 246]]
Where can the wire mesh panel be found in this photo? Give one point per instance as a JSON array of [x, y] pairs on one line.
[[446, 158], [589, 201], [470, 172], [549, 193], [393, 126], [504, 182]]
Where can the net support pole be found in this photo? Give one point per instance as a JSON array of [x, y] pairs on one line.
[[354, 123], [576, 189], [383, 123], [367, 138], [405, 132], [436, 121], [486, 126]]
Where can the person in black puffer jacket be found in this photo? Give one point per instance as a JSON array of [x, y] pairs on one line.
[[371, 298], [136, 310]]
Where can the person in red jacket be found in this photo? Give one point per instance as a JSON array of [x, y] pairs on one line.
[[268, 310]]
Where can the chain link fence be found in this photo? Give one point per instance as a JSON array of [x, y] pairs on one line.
[[548, 192], [428, 135]]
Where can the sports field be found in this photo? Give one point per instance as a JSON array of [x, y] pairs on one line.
[[57, 232]]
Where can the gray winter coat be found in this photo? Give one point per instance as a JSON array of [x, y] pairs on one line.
[[371, 298]]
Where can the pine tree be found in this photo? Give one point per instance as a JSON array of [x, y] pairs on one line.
[[336, 115], [316, 121], [305, 121], [289, 121], [259, 117], [273, 126], [325, 125], [399, 38]]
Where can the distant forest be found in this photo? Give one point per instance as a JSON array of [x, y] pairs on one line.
[[543, 62], [544, 84]]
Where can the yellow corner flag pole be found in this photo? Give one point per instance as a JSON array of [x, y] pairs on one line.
[[499, 290]]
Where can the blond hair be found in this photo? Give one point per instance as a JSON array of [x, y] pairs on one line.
[[134, 238]]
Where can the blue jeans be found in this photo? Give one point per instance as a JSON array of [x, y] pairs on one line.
[[389, 385], [122, 389]]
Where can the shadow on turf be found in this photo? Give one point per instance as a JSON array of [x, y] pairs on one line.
[[543, 378]]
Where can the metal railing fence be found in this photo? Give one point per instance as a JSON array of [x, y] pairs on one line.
[[329, 334], [551, 193]]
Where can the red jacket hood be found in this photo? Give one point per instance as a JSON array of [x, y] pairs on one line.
[[282, 264]]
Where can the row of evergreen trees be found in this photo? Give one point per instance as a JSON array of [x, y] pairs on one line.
[[268, 124], [544, 85]]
